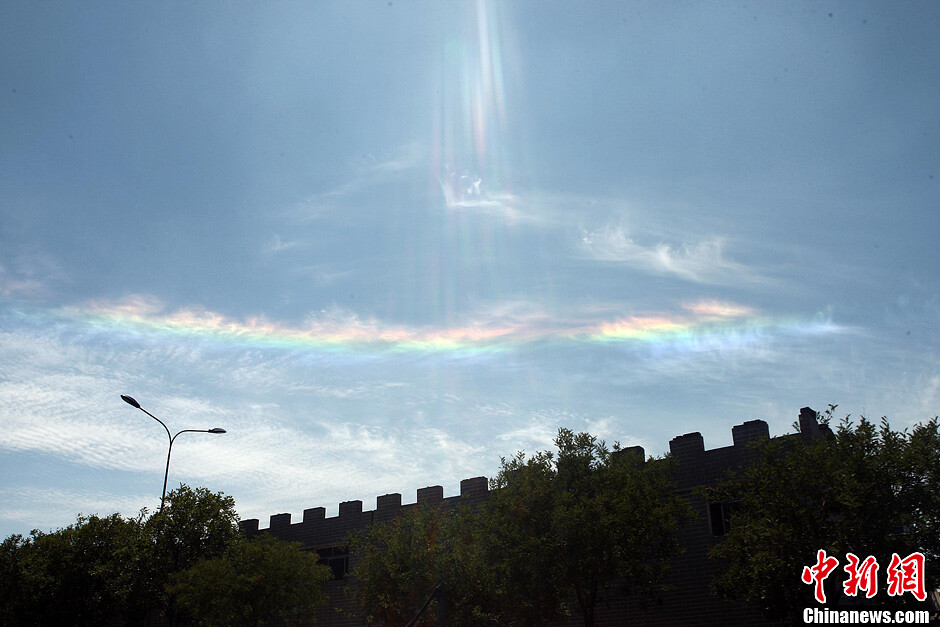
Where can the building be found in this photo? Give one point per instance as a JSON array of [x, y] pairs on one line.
[[688, 599]]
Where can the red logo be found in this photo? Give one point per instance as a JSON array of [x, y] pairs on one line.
[[904, 575], [907, 575], [862, 576], [818, 573]]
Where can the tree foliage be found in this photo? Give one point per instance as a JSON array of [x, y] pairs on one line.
[[397, 564], [555, 528], [260, 582], [194, 524], [84, 574], [116, 570], [12, 587], [868, 490], [571, 524], [426, 555]]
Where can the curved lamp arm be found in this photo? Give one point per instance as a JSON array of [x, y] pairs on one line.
[[133, 402]]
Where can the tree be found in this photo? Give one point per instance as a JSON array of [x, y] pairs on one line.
[[189, 556], [870, 491], [577, 522], [519, 531], [84, 574], [554, 527], [396, 564], [425, 555], [116, 570], [12, 589], [194, 524], [261, 582]]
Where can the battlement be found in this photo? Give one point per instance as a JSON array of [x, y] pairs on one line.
[[697, 465], [472, 490], [691, 572]]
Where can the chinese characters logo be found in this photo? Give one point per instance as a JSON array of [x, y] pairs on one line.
[[904, 575]]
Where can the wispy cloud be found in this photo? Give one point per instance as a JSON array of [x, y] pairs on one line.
[[471, 193], [322, 274], [289, 444], [364, 173], [406, 157], [56, 409], [132, 305], [67, 409], [496, 327], [274, 244], [538, 433], [488, 329], [269, 459], [539, 429], [701, 262], [718, 309], [48, 508], [18, 286], [294, 470]]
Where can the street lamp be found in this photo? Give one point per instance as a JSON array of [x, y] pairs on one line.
[[130, 401]]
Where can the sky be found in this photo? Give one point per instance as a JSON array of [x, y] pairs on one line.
[[386, 243]]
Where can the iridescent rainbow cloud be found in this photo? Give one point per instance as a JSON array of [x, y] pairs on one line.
[[344, 331]]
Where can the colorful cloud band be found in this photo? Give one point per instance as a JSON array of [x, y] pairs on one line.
[[700, 321]]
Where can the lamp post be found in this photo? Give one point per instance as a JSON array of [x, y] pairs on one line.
[[130, 401]]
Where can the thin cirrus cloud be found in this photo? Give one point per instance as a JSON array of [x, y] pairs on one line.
[[322, 274], [502, 329], [16, 285], [718, 309], [275, 244], [459, 191], [363, 174], [702, 262], [58, 410], [264, 447], [46, 507], [472, 193], [371, 458], [465, 192], [276, 449]]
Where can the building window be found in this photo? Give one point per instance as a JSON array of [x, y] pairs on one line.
[[720, 516], [337, 558]]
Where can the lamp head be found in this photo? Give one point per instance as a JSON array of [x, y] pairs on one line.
[[216, 430], [130, 401]]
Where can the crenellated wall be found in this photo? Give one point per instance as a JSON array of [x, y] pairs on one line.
[[317, 532], [687, 600], [316, 529]]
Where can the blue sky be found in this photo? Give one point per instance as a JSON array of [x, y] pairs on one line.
[[385, 243]]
